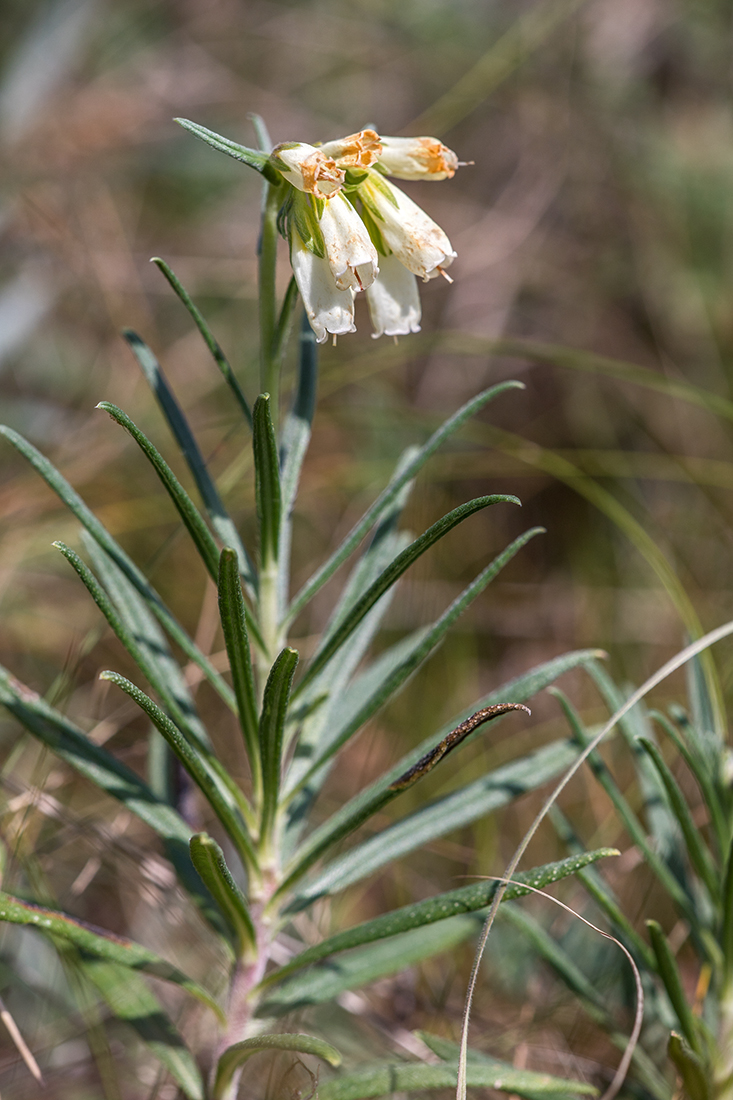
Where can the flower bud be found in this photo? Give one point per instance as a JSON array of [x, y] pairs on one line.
[[418, 158], [307, 168]]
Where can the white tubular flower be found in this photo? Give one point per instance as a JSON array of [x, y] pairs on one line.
[[417, 158], [355, 151], [394, 300], [349, 250], [406, 229], [307, 168], [329, 309]]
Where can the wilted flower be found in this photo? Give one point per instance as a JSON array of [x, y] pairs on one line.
[[418, 158], [307, 168], [335, 252], [416, 240]]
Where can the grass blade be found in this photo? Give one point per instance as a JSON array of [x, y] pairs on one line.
[[466, 899], [253, 158], [236, 1055], [199, 766], [392, 573], [113, 949], [100, 534], [672, 981], [232, 613], [370, 517], [194, 523], [208, 859], [272, 725], [130, 1000], [179, 426], [392, 1079], [211, 342]]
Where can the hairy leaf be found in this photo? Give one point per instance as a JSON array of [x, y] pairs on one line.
[[208, 859], [267, 480], [235, 1055]]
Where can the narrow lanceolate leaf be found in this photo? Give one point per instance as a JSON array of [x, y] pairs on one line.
[[466, 899], [178, 424], [130, 1000], [388, 674], [131, 644], [393, 572], [436, 819], [70, 743], [211, 342], [698, 852], [193, 521], [102, 944], [325, 981], [390, 1079], [267, 480], [370, 517], [234, 626], [235, 1056], [253, 158], [199, 765], [89, 521], [690, 1068], [672, 981], [272, 725], [208, 859]]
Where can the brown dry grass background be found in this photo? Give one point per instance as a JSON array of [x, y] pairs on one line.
[[597, 215]]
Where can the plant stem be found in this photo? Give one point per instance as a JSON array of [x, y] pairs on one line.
[[269, 360]]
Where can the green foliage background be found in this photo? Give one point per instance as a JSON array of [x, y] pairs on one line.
[[596, 216]]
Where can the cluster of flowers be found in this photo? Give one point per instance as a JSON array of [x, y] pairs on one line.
[[336, 251]]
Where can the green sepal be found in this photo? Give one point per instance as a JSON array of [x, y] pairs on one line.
[[377, 182], [392, 573], [374, 231], [251, 157], [272, 726], [232, 613], [303, 215], [690, 1068], [235, 1056], [199, 532], [103, 945], [208, 859], [267, 480]]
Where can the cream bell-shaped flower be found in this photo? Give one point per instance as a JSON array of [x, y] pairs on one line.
[[355, 151], [416, 240], [417, 158], [394, 300], [349, 250], [329, 309], [307, 168]]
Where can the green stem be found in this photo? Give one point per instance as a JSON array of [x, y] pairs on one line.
[[269, 360]]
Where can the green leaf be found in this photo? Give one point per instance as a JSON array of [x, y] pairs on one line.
[[267, 480], [179, 426], [202, 768], [232, 613], [670, 975], [70, 743], [211, 342], [370, 517], [208, 859], [89, 521], [326, 981], [690, 1068], [130, 1000], [466, 899], [386, 1080], [385, 676], [418, 829], [284, 324], [130, 643], [392, 573], [194, 523], [236, 1055], [272, 724], [254, 159], [698, 852], [104, 945]]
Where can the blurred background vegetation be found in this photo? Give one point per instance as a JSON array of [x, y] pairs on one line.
[[597, 215]]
